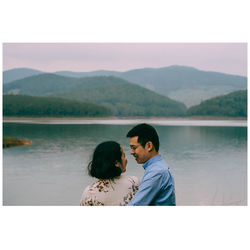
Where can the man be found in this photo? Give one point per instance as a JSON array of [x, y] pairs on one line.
[[157, 185]]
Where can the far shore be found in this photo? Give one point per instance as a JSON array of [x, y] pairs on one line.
[[6, 118]]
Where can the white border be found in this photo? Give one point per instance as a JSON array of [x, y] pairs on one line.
[[124, 21]]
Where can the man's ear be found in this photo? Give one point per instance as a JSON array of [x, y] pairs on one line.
[[150, 146]]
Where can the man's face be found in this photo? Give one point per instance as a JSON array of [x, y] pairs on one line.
[[140, 153]]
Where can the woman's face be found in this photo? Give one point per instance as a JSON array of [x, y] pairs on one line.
[[124, 161]]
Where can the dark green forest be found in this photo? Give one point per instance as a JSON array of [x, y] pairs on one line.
[[233, 105], [30, 106], [118, 95], [124, 98]]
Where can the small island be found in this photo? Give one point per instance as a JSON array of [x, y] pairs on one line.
[[12, 142]]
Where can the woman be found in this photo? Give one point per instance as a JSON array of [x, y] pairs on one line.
[[112, 188]]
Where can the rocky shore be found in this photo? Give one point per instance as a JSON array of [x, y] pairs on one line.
[[12, 142]]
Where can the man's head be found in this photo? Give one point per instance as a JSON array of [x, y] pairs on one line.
[[144, 142]]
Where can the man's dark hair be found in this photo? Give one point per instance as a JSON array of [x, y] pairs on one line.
[[104, 159], [145, 133]]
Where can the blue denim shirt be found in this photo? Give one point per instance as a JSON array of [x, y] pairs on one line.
[[157, 185]]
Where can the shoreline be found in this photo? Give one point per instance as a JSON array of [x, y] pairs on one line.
[[8, 118]]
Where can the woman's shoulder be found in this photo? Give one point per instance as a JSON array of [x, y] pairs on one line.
[[86, 189], [98, 186], [130, 178]]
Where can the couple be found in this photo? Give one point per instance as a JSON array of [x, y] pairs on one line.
[[113, 189]]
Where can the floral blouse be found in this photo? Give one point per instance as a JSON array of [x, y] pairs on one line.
[[110, 192]]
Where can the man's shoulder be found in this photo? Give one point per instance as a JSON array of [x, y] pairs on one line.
[[155, 170], [158, 168], [160, 165]]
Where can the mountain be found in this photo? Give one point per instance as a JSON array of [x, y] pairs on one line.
[[21, 105], [185, 84], [233, 104], [19, 73], [88, 74], [121, 97], [39, 85], [124, 98]]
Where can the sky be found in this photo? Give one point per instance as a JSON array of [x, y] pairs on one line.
[[228, 58]]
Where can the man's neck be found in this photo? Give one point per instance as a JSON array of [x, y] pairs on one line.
[[153, 155]]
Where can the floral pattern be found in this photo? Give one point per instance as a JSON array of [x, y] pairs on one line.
[[133, 189], [110, 192]]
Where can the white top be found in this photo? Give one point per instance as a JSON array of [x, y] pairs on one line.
[[110, 192]]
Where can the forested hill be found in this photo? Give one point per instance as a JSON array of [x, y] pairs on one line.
[[31, 106], [121, 97], [185, 84], [233, 104], [39, 85], [124, 98], [19, 73]]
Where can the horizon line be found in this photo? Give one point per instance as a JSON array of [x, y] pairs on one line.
[[174, 65]]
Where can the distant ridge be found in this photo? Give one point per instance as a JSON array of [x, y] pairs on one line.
[[19, 73], [39, 85], [184, 84]]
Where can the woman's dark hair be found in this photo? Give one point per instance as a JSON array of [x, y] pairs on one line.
[[145, 133], [104, 159]]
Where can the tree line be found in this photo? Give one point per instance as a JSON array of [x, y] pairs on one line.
[[21, 105], [231, 105]]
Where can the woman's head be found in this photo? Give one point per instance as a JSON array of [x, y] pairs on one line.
[[108, 161]]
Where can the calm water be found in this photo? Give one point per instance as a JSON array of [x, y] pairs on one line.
[[209, 163]]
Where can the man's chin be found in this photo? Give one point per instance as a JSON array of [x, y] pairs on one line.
[[138, 161]]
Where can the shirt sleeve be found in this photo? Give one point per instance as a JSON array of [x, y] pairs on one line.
[[149, 188]]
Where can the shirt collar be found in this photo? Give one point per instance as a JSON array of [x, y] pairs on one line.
[[151, 161]]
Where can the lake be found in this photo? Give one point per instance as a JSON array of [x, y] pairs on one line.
[[208, 159]]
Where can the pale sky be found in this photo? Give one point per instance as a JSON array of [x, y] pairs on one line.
[[228, 58]]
